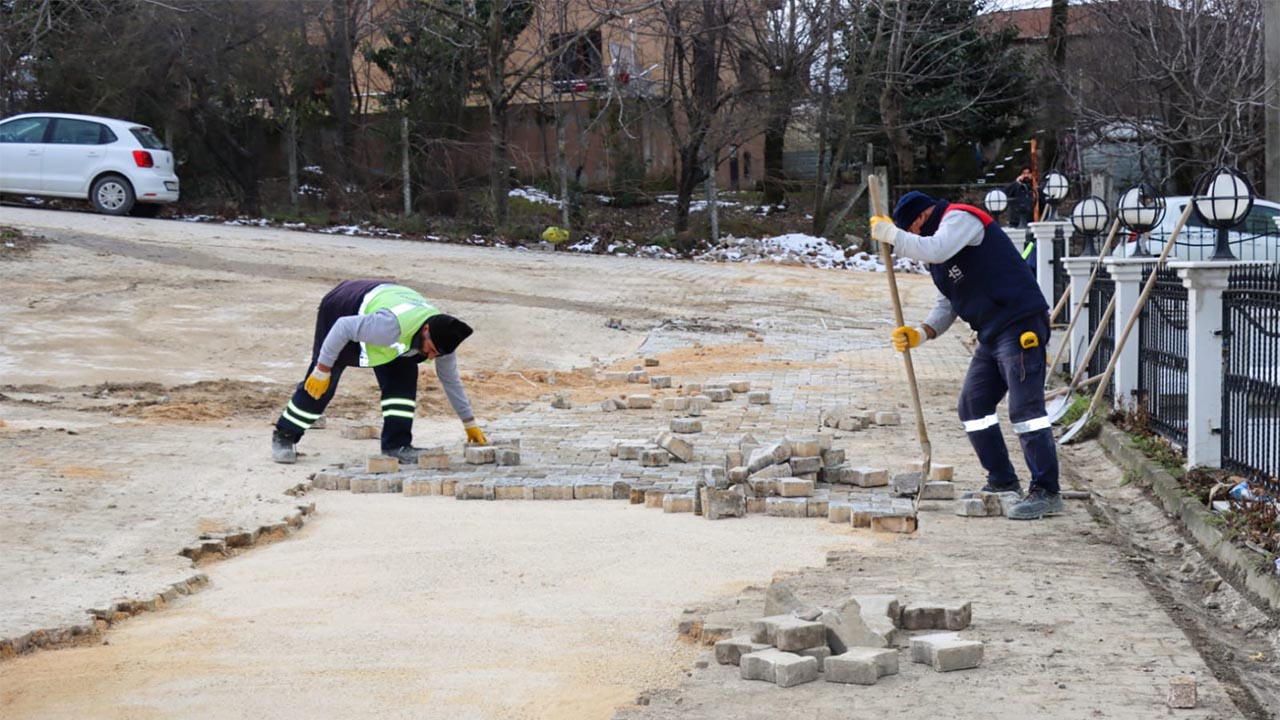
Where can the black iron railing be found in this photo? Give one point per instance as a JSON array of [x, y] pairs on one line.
[[1162, 357], [1104, 288], [1251, 373], [1061, 279]]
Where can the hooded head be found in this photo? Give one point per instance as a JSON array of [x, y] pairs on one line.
[[911, 205], [447, 332]]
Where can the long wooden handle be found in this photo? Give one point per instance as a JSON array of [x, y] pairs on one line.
[[1084, 296], [1137, 310], [877, 207]]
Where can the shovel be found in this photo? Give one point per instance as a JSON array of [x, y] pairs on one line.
[[1128, 327], [877, 208]]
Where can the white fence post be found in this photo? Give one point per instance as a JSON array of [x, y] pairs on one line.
[[1079, 268], [1205, 281], [1043, 232], [1127, 273]]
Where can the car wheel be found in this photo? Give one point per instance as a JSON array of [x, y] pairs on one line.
[[146, 210], [112, 195]]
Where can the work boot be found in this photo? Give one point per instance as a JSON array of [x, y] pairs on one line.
[[1037, 504], [282, 450], [1015, 487], [407, 455]]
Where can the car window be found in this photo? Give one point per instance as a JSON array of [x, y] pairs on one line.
[[1261, 220], [147, 138], [1193, 220], [23, 130], [67, 131]]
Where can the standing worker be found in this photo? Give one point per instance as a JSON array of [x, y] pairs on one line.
[[1022, 196], [390, 328], [982, 279]]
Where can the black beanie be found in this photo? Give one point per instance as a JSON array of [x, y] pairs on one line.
[[447, 332]]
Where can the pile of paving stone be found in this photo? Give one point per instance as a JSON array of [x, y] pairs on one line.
[[856, 641]]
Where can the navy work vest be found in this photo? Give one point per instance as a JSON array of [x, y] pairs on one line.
[[989, 285]]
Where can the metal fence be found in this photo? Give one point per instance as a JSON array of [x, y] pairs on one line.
[[1162, 357], [1061, 279], [1099, 297], [1251, 373]]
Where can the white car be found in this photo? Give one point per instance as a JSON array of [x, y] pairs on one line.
[[1257, 237], [119, 166]]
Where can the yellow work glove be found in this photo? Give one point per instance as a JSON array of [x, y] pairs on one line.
[[906, 337], [883, 230], [317, 383], [475, 435]]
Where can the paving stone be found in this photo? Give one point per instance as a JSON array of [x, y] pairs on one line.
[[938, 471], [939, 490], [638, 376], [787, 632], [906, 484], [506, 457], [673, 503], [826, 439], [433, 461], [888, 418], [971, 507], [838, 512], [717, 395], [510, 491], [653, 497], [870, 477], [851, 668], [631, 450], [611, 404], [447, 485], [653, 458], [795, 487], [548, 491], [922, 646], [804, 447], [714, 476], [686, 425], [1182, 692], [936, 616], [561, 402], [329, 480], [659, 382], [639, 402], [759, 665], [758, 397], [592, 491], [791, 670], [740, 386], [902, 524], [817, 653], [621, 490], [651, 362], [816, 507], [718, 504], [691, 388], [478, 454], [681, 449], [862, 621], [738, 474], [474, 490], [381, 464], [850, 424], [957, 655], [730, 651], [420, 486], [698, 404], [786, 507], [756, 505], [677, 404], [361, 484], [805, 465], [614, 377], [763, 457], [832, 457]]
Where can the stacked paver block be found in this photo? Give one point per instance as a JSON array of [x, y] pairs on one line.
[[868, 477], [479, 454], [861, 666], [434, 458], [691, 388], [686, 425], [907, 484], [331, 480], [936, 616], [381, 464], [842, 417], [506, 457], [638, 376], [389, 483], [946, 652], [659, 382], [682, 450], [653, 458], [718, 394], [677, 404], [758, 397], [863, 621], [673, 503], [639, 402], [939, 490], [986, 504], [787, 507], [888, 418], [739, 386], [718, 504]]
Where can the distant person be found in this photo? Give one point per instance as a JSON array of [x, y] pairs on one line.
[[982, 279], [1022, 194], [392, 329]]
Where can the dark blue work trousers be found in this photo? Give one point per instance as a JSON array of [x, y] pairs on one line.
[[1004, 367]]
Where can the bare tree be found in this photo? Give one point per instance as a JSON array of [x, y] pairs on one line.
[[1184, 76]]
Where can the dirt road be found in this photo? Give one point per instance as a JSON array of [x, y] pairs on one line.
[[427, 607]]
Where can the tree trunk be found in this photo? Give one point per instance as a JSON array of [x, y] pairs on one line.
[[562, 168], [498, 162], [899, 139], [775, 132], [690, 175], [341, 80]]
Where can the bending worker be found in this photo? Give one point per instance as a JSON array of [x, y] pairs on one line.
[[982, 279], [391, 329]]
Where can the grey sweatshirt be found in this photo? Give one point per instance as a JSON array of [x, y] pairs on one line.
[[957, 231], [381, 328]]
